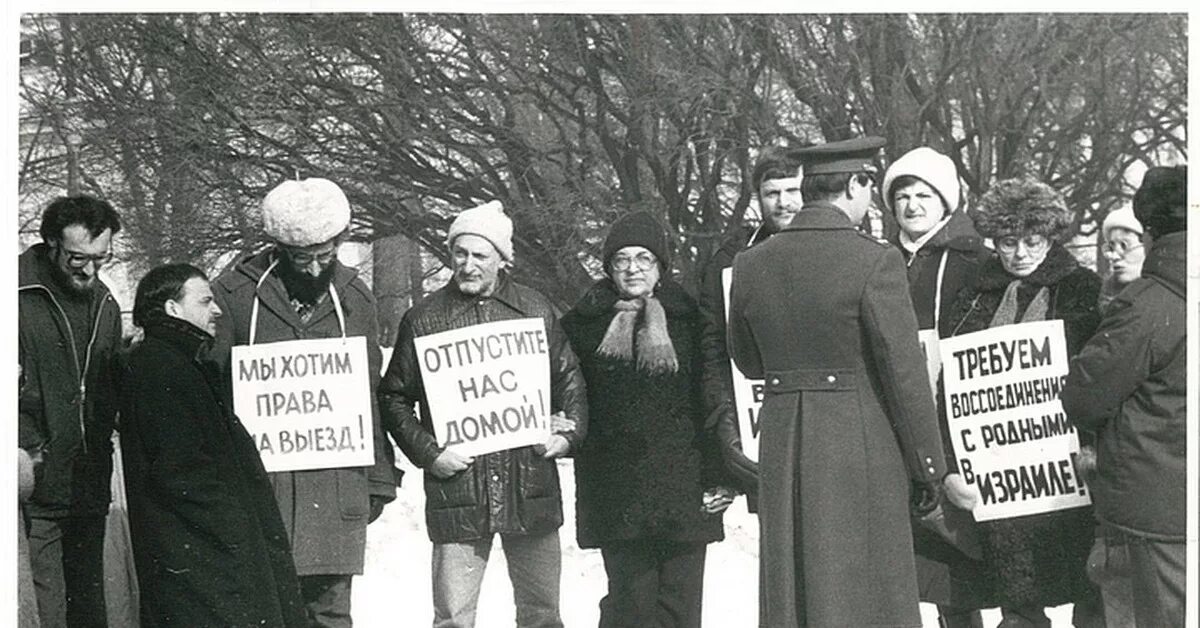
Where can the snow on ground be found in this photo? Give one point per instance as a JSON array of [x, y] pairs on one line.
[[396, 590]]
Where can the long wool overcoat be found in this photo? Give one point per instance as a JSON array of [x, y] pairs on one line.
[[207, 538], [325, 510], [648, 459], [1037, 560], [823, 313]]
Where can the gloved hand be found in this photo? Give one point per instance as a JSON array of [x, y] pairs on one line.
[[743, 469], [925, 497], [377, 504]]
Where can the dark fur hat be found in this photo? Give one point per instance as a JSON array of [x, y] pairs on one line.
[[1161, 201], [1020, 207]]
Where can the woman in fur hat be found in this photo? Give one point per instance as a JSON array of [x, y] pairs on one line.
[[1036, 560], [648, 477], [943, 252]]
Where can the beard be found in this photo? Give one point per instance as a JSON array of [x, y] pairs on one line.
[[304, 287], [75, 284]]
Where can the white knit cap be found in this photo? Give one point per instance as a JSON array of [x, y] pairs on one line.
[[304, 213], [929, 166], [486, 221], [1121, 219]]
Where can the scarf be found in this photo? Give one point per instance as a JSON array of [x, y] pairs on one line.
[[655, 353], [1006, 314]]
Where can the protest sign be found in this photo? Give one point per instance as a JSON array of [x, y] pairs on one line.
[[306, 403], [747, 393], [488, 385], [1009, 431]]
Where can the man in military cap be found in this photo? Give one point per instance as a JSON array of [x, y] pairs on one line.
[[822, 313], [297, 290]]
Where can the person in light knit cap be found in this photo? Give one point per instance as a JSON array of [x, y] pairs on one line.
[[513, 493], [297, 289], [1124, 250]]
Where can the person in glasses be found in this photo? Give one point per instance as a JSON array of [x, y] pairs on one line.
[[822, 312], [69, 333], [1124, 251], [650, 479], [1129, 384], [1036, 560], [292, 286]]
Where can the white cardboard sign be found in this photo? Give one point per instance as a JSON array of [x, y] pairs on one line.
[[488, 385], [747, 393], [1010, 434], [306, 403]]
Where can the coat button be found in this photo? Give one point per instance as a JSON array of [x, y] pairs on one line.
[[831, 379], [928, 460], [932, 470], [774, 381], [495, 477]]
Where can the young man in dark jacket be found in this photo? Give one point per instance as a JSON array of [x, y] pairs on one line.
[[1129, 385], [776, 183], [298, 290], [69, 331], [513, 492]]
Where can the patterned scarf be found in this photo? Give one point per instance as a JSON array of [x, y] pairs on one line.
[[1006, 314], [655, 353]]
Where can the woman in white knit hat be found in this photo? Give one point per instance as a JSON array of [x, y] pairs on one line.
[[1123, 250]]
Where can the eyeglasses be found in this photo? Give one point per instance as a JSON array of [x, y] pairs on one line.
[[300, 258], [79, 260], [643, 261], [1033, 243], [1118, 248]]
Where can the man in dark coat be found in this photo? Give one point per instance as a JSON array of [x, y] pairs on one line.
[[514, 492], [69, 331], [822, 313], [776, 182], [292, 287], [208, 542], [1129, 385]]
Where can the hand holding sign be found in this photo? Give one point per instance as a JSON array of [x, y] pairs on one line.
[[555, 447], [959, 493]]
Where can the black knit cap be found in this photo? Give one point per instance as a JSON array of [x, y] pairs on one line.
[[638, 229], [1160, 204]]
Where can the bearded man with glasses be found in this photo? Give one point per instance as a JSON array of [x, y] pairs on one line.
[[69, 332]]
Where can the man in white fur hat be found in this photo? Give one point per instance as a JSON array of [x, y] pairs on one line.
[[292, 286], [515, 492]]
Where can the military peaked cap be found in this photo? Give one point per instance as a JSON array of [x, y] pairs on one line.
[[854, 155]]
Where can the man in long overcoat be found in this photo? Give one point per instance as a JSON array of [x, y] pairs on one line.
[[293, 286], [207, 538], [822, 313]]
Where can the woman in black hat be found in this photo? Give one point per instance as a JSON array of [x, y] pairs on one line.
[[647, 478]]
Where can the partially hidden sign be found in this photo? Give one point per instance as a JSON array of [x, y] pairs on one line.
[[1010, 434], [306, 403], [747, 393], [488, 385]]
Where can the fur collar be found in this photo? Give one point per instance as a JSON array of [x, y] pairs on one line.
[[1058, 264]]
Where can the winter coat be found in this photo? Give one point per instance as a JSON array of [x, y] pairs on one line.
[[514, 491], [1037, 560], [962, 250], [1129, 385], [68, 394], [325, 511], [648, 458], [208, 542], [719, 406], [822, 312]]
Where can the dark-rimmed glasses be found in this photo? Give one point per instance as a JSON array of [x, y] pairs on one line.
[[643, 261]]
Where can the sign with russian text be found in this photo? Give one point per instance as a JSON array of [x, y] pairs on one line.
[[488, 385], [747, 393], [1009, 431], [306, 403]]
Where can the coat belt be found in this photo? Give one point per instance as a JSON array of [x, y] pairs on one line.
[[796, 380]]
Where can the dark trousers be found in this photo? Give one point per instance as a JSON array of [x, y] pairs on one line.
[[653, 584], [67, 556], [327, 598], [1159, 571]]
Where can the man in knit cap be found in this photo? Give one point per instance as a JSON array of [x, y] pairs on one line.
[[1129, 386], [513, 492], [297, 289]]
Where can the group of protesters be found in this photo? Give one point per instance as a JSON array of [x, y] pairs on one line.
[[854, 479]]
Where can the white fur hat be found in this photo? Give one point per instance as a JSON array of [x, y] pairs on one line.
[[1121, 219], [486, 221], [304, 213], [929, 166]]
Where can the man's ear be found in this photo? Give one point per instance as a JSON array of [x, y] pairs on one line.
[[171, 307]]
